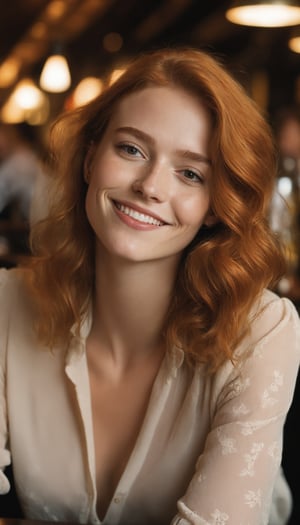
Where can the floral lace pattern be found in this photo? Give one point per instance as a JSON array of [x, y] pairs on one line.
[[243, 449], [209, 446]]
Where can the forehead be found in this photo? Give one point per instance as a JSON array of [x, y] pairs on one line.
[[155, 107], [154, 95]]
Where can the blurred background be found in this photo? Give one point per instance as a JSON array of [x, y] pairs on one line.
[[56, 54]]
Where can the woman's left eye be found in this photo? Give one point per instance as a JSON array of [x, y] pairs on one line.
[[192, 176]]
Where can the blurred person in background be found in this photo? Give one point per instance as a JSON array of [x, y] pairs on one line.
[[20, 168], [285, 206], [22, 181], [146, 367]]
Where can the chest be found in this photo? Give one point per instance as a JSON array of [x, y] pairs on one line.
[[118, 412]]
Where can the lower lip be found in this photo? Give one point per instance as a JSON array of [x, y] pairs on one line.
[[133, 223]]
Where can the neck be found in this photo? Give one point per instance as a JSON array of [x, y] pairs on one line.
[[130, 304]]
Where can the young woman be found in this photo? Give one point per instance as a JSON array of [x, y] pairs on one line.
[[146, 370]]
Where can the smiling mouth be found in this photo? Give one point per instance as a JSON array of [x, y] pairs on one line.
[[140, 217]]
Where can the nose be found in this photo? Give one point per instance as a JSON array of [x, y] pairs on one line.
[[152, 184]]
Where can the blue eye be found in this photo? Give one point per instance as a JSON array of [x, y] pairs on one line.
[[130, 150], [192, 176]]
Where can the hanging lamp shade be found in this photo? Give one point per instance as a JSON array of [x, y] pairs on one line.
[[55, 76], [87, 89], [27, 95], [264, 13]]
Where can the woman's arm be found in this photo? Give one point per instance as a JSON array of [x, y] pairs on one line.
[[235, 476]]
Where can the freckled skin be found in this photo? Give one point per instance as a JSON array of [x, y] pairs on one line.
[[150, 171]]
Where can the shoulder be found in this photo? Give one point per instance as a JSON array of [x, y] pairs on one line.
[[272, 340], [270, 315], [266, 361], [272, 345]]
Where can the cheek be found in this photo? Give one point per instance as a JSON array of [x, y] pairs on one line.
[[93, 201], [109, 173], [192, 211], [99, 175]]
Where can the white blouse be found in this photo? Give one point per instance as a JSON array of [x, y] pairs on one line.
[[208, 451]]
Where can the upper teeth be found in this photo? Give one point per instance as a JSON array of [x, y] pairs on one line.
[[141, 217]]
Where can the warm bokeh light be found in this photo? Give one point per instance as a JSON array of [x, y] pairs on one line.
[[11, 113], [27, 95], [88, 89], [39, 30], [9, 71], [265, 15], [294, 44], [56, 9], [26, 103], [55, 76], [112, 42]]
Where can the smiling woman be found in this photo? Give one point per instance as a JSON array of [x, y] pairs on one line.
[[172, 364], [150, 171]]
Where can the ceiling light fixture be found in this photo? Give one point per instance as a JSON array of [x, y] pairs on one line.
[[26, 102], [264, 13], [27, 95], [87, 89], [55, 76]]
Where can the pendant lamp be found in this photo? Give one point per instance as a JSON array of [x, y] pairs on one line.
[[55, 76], [264, 13]]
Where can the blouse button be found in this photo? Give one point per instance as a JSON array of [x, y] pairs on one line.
[[118, 498]]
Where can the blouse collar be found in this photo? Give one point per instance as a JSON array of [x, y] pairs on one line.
[[174, 358]]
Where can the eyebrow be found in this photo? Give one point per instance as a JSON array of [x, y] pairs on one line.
[[198, 157], [137, 133]]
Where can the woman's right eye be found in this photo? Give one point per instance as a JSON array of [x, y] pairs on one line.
[[129, 149]]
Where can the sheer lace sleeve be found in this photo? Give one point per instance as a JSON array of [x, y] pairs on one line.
[[235, 476], [4, 453]]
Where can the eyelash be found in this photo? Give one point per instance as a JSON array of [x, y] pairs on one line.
[[125, 147], [196, 177]]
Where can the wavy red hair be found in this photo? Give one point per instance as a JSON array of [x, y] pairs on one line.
[[227, 266]]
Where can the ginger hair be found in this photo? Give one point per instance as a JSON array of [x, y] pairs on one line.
[[227, 266]]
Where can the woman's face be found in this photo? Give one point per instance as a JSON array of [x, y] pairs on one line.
[[148, 178]]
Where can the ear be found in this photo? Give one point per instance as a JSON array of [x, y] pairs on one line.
[[87, 165]]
